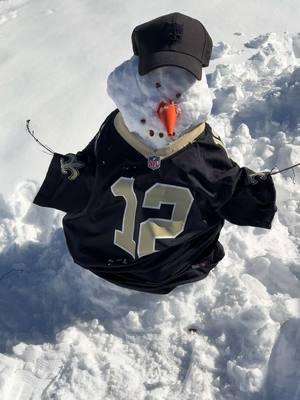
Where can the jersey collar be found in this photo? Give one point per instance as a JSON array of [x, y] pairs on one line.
[[147, 151]]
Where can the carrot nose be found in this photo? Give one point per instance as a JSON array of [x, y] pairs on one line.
[[167, 113]]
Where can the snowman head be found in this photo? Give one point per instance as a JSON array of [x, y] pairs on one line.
[[163, 104], [162, 91]]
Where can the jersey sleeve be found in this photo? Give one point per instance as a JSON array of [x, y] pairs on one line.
[[69, 180], [238, 194]]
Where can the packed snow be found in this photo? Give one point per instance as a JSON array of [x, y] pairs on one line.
[[66, 334]]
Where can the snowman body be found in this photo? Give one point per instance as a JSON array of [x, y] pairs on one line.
[[154, 186]]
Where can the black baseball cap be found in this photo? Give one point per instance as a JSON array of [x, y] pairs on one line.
[[172, 39]]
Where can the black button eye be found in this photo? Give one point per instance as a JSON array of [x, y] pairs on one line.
[[151, 132], [178, 95], [161, 135], [143, 121], [157, 85]]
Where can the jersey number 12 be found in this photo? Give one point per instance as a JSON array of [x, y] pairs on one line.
[[179, 197]]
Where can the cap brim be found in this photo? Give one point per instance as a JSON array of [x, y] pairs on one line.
[[149, 62]]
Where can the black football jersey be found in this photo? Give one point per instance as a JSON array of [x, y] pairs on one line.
[[150, 220]]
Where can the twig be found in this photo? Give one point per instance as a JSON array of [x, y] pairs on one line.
[[293, 178], [285, 169], [31, 132]]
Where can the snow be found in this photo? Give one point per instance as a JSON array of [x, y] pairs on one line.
[[65, 334], [220, 49]]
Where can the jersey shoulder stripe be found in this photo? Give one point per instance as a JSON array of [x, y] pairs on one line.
[[218, 141]]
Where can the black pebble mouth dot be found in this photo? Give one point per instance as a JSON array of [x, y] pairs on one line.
[[161, 134], [143, 121]]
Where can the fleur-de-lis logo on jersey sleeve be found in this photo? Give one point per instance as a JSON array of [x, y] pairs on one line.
[[254, 178], [71, 166]]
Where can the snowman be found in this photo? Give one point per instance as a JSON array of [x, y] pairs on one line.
[[147, 198]]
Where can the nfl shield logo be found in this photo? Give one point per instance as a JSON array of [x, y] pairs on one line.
[[153, 162]]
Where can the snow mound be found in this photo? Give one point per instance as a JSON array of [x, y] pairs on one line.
[[20, 222], [237, 84], [220, 49], [71, 334], [281, 384]]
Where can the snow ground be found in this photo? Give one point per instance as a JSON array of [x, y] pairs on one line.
[[67, 335]]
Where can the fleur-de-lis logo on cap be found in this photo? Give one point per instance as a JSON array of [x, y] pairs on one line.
[[172, 32]]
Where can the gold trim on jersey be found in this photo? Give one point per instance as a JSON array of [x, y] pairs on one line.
[[147, 151], [219, 142]]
